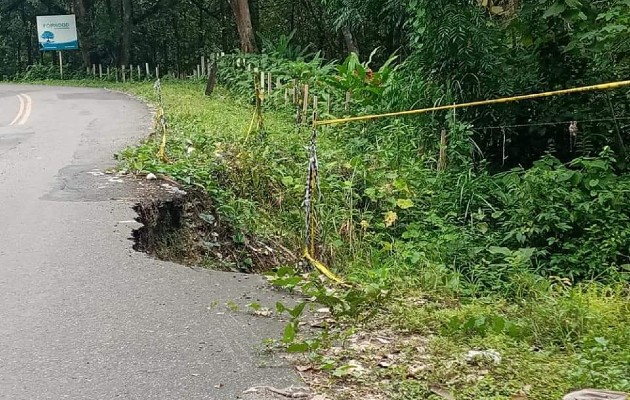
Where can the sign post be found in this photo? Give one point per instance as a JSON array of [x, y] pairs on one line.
[[60, 65], [57, 33]]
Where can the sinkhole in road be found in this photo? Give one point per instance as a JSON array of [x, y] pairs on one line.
[[188, 229]]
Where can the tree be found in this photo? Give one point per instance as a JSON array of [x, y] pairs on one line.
[[243, 19], [82, 13], [126, 32]]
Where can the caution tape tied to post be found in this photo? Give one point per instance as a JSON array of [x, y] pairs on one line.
[[161, 122], [257, 117], [312, 188]]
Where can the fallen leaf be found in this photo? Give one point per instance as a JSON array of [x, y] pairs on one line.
[[415, 370], [522, 394], [404, 203], [443, 393], [390, 218], [263, 312], [303, 368]]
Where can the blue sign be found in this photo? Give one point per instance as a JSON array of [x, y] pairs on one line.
[[57, 32]]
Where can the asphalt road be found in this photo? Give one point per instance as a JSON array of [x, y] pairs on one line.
[[83, 316]]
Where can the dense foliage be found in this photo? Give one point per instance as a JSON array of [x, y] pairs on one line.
[[518, 211], [453, 51], [396, 207], [496, 257]]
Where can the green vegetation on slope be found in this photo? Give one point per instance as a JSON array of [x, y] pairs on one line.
[[509, 231], [455, 282]]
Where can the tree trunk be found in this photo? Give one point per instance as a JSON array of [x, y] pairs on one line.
[[108, 7], [29, 42], [201, 45], [244, 25], [126, 33], [224, 25], [314, 8], [178, 49], [212, 80], [254, 12], [83, 30], [351, 43]]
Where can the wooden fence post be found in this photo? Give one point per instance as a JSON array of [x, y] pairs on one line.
[[305, 100], [124, 79], [262, 82], [100, 71], [146, 68]]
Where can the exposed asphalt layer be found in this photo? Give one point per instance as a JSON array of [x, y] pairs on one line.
[[83, 316]]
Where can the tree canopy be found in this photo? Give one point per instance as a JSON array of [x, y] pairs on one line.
[[451, 51]]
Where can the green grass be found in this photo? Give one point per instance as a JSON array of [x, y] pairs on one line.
[[553, 337], [550, 339], [566, 339]]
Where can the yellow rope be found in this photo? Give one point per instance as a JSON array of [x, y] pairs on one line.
[[257, 117], [161, 126], [251, 125], [603, 86], [308, 252], [162, 150], [321, 267]]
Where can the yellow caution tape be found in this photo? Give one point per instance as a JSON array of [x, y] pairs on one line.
[[321, 267], [162, 151], [603, 86], [160, 124], [251, 125]]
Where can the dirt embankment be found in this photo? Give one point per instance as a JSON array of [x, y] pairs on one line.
[[186, 228]]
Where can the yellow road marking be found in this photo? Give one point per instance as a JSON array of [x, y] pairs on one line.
[[19, 114], [27, 109]]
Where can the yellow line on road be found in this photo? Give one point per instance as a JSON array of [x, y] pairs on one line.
[[27, 109], [19, 114]]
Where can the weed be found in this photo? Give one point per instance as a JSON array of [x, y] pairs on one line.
[[469, 259]]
